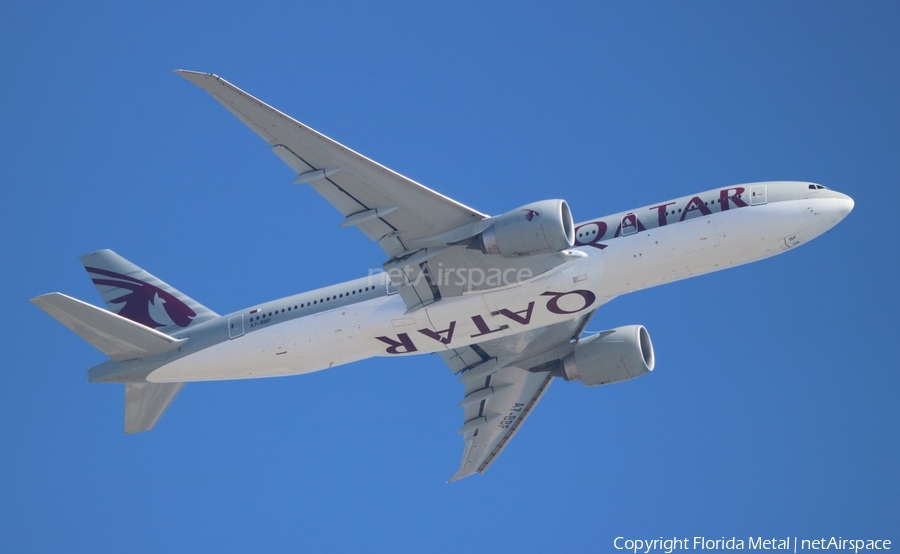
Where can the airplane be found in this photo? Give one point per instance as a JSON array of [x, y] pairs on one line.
[[504, 300]]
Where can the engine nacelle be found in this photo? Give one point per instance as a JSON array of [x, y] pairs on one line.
[[539, 228], [611, 356]]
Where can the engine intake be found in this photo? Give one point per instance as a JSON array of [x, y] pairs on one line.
[[611, 356], [539, 228]]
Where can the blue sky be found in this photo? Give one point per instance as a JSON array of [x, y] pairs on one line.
[[773, 407]]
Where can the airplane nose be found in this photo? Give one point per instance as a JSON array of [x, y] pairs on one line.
[[845, 205]]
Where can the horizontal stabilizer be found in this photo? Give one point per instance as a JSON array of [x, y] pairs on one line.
[[146, 402], [117, 337]]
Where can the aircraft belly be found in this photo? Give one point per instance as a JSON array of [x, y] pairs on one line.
[[639, 261], [288, 348], [564, 294], [705, 244], [385, 327], [818, 216], [771, 229]]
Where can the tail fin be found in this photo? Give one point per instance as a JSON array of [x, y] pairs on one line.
[[145, 403], [139, 296], [120, 339]]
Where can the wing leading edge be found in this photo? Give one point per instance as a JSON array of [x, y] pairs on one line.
[[388, 207]]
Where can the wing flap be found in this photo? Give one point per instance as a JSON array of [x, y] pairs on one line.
[[517, 392], [514, 428], [117, 337]]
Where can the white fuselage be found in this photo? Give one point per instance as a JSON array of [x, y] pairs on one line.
[[613, 255]]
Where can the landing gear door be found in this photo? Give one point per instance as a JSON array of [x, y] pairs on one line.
[[235, 326], [757, 195]]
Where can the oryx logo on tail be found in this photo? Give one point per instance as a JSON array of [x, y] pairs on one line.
[[144, 303]]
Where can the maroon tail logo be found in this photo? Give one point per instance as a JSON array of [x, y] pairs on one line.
[[530, 214], [143, 296]]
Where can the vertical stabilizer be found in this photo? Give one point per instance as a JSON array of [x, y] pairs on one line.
[[137, 295], [145, 403]]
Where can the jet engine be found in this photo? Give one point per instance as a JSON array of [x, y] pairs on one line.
[[611, 356], [538, 228]]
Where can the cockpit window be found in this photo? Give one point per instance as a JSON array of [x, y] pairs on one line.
[[812, 187], [817, 187]]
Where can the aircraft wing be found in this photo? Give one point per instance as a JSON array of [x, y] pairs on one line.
[[504, 380], [389, 208], [410, 222]]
